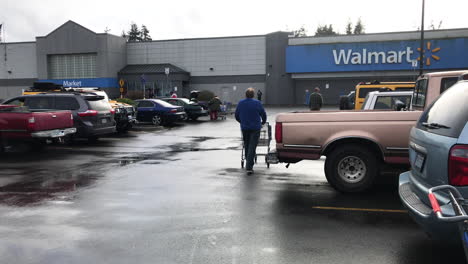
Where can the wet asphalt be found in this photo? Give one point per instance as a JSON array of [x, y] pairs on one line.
[[178, 195]]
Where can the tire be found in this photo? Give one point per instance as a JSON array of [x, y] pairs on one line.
[[351, 168], [156, 120], [344, 102]]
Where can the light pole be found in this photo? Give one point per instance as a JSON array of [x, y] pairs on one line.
[[421, 51]]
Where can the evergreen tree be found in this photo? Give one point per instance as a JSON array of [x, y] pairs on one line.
[[349, 28], [145, 34], [134, 34], [359, 28], [124, 35], [325, 31], [301, 32]]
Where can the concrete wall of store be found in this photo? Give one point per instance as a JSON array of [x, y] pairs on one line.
[[279, 85], [72, 38], [336, 87]]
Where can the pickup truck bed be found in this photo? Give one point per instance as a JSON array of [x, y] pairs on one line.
[[21, 124], [309, 135]]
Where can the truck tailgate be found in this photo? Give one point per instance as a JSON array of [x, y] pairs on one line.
[[52, 120]]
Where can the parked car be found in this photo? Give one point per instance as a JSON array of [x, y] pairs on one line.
[[347, 101], [92, 114], [124, 115], [18, 124], [438, 152], [159, 112], [387, 100], [193, 109]]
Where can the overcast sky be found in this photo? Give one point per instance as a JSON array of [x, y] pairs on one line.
[[23, 20]]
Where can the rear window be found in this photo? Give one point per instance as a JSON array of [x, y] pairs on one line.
[[99, 105], [66, 103], [446, 83], [419, 95], [40, 102], [145, 104], [389, 102], [163, 103], [449, 110]]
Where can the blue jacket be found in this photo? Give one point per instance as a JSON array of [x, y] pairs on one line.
[[250, 114]]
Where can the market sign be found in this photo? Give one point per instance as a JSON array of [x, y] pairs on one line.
[[377, 56], [85, 82]]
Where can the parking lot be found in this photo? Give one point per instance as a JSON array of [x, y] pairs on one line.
[[179, 195]]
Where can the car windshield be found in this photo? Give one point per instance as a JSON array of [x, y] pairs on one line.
[[449, 111]]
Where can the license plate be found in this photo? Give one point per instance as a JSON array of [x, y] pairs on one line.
[[58, 133], [419, 161], [104, 120]]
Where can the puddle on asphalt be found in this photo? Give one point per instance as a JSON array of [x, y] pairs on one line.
[[41, 185]]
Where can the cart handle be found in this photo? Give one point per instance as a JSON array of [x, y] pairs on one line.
[[455, 202]]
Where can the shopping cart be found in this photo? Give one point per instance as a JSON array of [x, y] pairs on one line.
[[458, 204], [263, 142], [224, 111]]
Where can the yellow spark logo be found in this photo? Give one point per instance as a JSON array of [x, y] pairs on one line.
[[430, 52]]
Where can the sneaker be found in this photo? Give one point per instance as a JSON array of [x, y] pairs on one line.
[[249, 172]]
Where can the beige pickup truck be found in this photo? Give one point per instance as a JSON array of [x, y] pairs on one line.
[[356, 143]]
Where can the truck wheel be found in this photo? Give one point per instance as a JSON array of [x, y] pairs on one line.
[[351, 168], [156, 120]]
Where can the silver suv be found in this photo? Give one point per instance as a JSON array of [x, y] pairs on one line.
[[438, 151]]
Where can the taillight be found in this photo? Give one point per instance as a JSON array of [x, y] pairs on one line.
[[279, 132], [31, 124], [112, 111], [173, 111], [88, 113], [458, 165]]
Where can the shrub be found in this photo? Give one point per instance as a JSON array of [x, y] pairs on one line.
[[126, 101], [205, 95]]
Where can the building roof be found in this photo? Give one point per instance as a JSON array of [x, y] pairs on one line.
[[151, 69]]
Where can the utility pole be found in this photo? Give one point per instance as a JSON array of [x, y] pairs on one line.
[[421, 52]]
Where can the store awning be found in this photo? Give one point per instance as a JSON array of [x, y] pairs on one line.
[[152, 69]]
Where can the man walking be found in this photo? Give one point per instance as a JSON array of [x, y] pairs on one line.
[[316, 101], [259, 95], [251, 116]]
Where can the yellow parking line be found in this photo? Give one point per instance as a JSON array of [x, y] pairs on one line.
[[359, 209]]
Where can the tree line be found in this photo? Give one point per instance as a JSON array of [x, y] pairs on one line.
[[328, 30], [135, 34]]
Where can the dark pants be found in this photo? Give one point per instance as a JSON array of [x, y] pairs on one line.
[[250, 138]]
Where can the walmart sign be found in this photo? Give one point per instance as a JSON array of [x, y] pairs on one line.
[[377, 56]]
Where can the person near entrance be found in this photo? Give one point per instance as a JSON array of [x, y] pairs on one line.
[[251, 115], [259, 95], [215, 106], [316, 100]]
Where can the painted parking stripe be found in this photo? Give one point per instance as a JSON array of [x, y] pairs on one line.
[[359, 209]]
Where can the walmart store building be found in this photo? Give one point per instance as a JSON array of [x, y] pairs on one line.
[[282, 67]]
